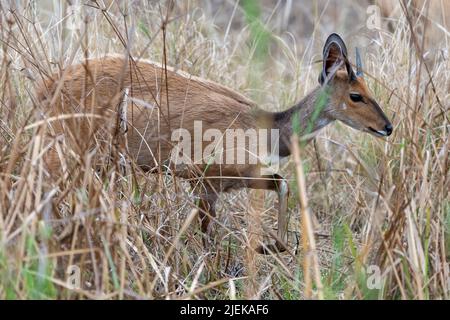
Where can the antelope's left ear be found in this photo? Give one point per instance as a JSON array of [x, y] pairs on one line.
[[335, 58]]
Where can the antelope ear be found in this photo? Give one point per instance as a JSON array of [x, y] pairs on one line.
[[334, 58]]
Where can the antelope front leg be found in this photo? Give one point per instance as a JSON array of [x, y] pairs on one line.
[[283, 196], [276, 183]]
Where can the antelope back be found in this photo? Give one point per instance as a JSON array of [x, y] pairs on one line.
[[113, 91]]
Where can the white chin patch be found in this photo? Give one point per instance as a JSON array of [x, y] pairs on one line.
[[382, 133]]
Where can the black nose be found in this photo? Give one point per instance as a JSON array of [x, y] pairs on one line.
[[388, 129]]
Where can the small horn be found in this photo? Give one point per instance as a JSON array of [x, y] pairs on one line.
[[359, 72]]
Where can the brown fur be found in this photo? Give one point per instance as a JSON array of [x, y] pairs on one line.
[[156, 106], [98, 86], [189, 99]]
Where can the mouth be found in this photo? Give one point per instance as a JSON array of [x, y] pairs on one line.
[[377, 133]]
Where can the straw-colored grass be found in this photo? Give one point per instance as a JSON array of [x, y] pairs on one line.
[[368, 204]]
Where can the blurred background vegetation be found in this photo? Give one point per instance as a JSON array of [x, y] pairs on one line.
[[382, 203]]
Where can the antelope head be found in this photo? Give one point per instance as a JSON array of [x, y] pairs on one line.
[[350, 99]]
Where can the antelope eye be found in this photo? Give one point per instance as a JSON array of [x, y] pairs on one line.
[[356, 97]]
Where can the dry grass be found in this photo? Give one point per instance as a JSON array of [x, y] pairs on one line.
[[133, 235]]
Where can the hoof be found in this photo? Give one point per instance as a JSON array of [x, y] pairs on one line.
[[271, 248]]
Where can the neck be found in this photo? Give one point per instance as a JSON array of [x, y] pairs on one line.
[[306, 118]]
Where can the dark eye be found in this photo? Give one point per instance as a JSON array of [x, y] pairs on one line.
[[356, 97]]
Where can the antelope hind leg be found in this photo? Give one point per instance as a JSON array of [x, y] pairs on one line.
[[207, 211]]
